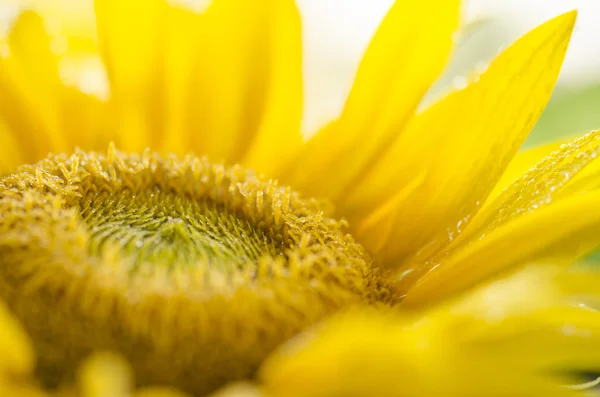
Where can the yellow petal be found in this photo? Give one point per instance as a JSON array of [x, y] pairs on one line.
[[11, 152], [131, 33], [245, 87], [587, 179], [470, 345], [30, 86], [16, 352], [463, 143], [377, 227], [181, 33], [522, 162], [105, 374], [533, 314], [563, 231], [220, 79], [75, 20], [538, 187], [570, 170], [85, 119], [46, 88], [278, 135], [560, 337], [583, 283], [378, 354], [406, 55]]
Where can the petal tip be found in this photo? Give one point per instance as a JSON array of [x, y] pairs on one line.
[[567, 19]]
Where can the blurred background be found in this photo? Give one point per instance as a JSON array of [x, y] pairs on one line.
[[336, 33]]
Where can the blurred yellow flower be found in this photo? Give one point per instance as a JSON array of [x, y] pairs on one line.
[[407, 253]]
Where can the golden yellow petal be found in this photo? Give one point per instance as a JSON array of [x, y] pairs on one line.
[[472, 345], [179, 59], [130, 34], [570, 170], [563, 231], [11, 154], [85, 119], [560, 337], [586, 180], [463, 143], [278, 135], [219, 110], [75, 20], [522, 162], [16, 352], [377, 227], [584, 282], [377, 354], [244, 92], [52, 84], [105, 374], [30, 87], [540, 186], [406, 55], [537, 314]]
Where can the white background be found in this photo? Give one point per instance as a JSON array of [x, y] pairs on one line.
[[337, 31]]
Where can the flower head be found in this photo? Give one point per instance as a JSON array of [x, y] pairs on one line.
[[397, 252]]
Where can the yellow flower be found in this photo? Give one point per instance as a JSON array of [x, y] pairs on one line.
[[404, 253]]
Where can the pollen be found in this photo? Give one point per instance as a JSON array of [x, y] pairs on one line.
[[193, 271]]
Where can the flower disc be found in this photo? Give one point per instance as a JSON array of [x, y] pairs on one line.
[[193, 271]]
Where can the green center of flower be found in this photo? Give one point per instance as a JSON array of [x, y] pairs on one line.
[[156, 227], [193, 271]]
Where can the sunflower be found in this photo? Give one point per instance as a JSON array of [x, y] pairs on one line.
[[171, 230]]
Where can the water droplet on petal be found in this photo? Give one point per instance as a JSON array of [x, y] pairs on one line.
[[460, 82]]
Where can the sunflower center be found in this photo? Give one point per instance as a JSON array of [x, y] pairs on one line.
[[193, 271], [156, 227]]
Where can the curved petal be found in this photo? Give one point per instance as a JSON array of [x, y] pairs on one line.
[[521, 163], [448, 350], [130, 34], [105, 374], [46, 96], [565, 172], [225, 54], [463, 143], [29, 86], [278, 135], [244, 91], [540, 186], [563, 231], [11, 153], [406, 55], [17, 358], [181, 41], [76, 21]]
